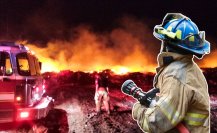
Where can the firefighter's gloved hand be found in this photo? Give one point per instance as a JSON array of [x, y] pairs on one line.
[[135, 110], [138, 110], [139, 115], [149, 100]]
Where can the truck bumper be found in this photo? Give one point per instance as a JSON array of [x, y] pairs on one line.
[[36, 112]]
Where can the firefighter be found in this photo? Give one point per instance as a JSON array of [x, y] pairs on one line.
[[183, 102], [101, 94]]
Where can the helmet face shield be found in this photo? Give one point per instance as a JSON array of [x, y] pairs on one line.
[[195, 40], [192, 40]]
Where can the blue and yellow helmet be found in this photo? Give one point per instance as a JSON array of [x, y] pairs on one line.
[[180, 31]]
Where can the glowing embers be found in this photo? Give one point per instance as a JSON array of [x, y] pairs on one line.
[[120, 70]]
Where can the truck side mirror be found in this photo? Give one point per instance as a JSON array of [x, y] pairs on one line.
[[2, 59], [40, 64]]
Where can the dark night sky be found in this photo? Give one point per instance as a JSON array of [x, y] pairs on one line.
[[43, 20]]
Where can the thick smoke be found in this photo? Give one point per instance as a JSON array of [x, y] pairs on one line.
[[130, 47], [79, 36]]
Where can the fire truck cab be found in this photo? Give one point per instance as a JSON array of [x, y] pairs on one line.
[[22, 87]]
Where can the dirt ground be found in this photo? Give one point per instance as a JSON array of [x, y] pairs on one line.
[[80, 108], [74, 110]]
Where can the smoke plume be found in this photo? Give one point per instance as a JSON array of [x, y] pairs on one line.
[[130, 47]]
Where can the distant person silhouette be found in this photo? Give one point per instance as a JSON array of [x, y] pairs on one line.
[[101, 93]]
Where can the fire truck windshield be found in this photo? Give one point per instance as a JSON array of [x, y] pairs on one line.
[[5, 64], [23, 64]]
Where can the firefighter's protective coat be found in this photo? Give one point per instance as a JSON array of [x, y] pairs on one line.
[[183, 98]]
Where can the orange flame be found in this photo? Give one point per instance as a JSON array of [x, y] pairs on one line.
[[134, 62], [90, 53], [131, 48], [63, 56], [209, 61]]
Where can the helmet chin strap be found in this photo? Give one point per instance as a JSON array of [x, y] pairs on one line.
[[166, 48]]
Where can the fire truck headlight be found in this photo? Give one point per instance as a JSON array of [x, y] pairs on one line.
[[18, 98], [20, 94], [24, 114]]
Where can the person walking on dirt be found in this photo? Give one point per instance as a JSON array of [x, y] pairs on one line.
[[183, 103], [101, 94]]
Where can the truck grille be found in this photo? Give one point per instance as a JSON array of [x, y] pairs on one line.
[[6, 116]]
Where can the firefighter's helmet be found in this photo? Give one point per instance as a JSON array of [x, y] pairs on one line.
[[179, 31]]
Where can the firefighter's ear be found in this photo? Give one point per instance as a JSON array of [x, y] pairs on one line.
[[2, 59]]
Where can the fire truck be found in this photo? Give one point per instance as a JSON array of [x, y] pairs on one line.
[[22, 89]]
